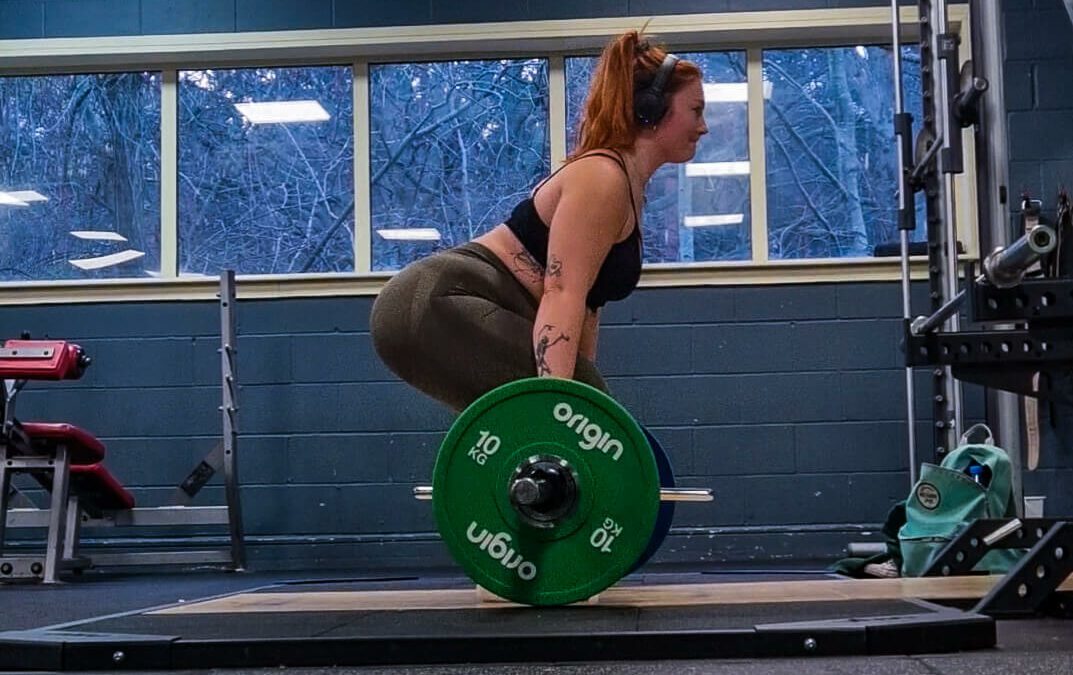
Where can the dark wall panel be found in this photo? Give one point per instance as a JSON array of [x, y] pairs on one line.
[[22, 19], [353, 14], [787, 400], [91, 18], [173, 17], [260, 15]]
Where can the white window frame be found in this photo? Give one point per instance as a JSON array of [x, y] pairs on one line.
[[751, 32]]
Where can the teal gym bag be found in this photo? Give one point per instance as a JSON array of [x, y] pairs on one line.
[[973, 481]]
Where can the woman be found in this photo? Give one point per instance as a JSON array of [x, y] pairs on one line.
[[524, 299]]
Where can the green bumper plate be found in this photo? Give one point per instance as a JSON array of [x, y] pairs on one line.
[[588, 549]]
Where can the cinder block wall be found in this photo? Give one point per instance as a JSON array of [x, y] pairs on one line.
[[787, 400], [1039, 101]]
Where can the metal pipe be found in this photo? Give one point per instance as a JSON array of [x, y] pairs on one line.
[[923, 324], [992, 203], [229, 412], [1002, 532], [949, 260], [899, 101], [968, 98], [424, 493], [992, 163], [922, 165], [907, 221], [685, 495]]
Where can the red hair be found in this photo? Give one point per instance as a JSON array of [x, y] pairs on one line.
[[626, 65]]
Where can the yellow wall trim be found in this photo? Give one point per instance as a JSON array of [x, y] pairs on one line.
[[356, 285]]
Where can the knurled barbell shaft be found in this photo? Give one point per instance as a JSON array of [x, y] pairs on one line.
[[424, 493]]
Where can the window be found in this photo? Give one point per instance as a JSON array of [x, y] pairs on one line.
[[339, 158], [454, 146], [266, 170], [832, 163], [79, 176]]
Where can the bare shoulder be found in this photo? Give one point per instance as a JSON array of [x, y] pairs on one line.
[[595, 175]]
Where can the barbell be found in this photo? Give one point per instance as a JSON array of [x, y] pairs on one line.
[[546, 491]]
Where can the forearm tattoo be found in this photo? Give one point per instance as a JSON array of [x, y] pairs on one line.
[[545, 341], [527, 266], [555, 267]]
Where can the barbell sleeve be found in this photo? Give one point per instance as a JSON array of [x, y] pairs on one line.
[[1002, 532], [685, 495], [1006, 267], [424, 493]]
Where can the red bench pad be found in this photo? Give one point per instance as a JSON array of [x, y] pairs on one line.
[[83, 446], [94, 485], [62, 361]]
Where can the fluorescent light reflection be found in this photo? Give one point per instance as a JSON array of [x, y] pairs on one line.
[[283, 112], [411, 234], [28, 196], [710, 221], [8, 199], [731, 92], [98, 236], [717, 169], [103, 261]]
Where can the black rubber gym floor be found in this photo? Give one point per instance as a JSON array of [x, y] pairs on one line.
[[103, 622]]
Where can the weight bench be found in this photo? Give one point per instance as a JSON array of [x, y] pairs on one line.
[[68, 463], [63, 458]]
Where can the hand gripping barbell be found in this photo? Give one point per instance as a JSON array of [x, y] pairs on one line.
[[547, 491]]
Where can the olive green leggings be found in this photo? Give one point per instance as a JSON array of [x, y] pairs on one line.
[[457, 324]]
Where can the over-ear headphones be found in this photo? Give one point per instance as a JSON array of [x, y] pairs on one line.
[[649, 107]]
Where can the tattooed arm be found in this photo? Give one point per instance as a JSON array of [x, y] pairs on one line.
[[588, 220]]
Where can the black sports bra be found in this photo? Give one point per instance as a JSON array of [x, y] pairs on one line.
[[621, 270]]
